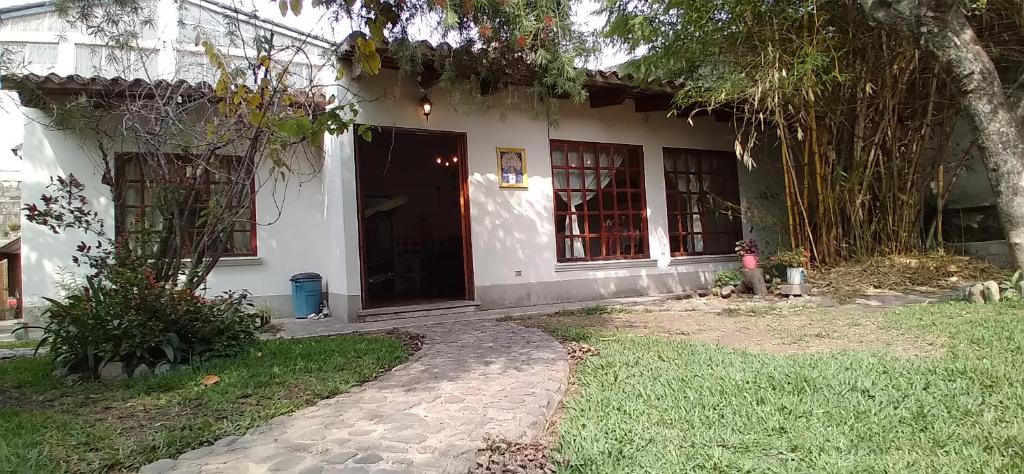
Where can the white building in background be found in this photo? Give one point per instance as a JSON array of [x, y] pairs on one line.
[[35, 40]]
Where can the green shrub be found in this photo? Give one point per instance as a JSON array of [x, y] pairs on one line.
[[728, 277], [791, 258], [123, 315]]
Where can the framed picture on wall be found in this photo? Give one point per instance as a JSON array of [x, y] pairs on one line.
[[512, 168]]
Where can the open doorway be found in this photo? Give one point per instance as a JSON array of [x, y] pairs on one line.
[[414, 218]]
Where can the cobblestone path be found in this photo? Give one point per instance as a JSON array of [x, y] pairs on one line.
[[430, 414]]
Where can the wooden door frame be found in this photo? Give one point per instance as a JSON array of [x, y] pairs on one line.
[[464, 218]]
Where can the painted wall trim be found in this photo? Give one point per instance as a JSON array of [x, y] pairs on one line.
[[605, 265], [696, 259], [233, 261], [239, 261]]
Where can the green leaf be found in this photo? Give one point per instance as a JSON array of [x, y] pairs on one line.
[[365, 132], [169, 352], [296, 7], [369, 59], [283, 5], [376, 30], [295, 127]]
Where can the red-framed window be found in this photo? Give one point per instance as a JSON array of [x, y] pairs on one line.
[[135, 210], [702, 199], [600, 201]]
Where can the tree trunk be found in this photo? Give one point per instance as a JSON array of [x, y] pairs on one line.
[[942, 29]]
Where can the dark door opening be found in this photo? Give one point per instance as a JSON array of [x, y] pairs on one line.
[[414, 230]]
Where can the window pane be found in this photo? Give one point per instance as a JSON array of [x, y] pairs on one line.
[[153, 220], [133, 195], [675, 246], [561, 179], [576, 179], [607, 201], [635, 202], [557, 157], [243, 225], [620, 179], [591, 180], [633, 158], [561, 202], [131, 217], [589, 157], [682, 183], [574, 158], [242, 243]]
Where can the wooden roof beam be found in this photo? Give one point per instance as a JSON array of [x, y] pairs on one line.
[[607, 97], [652, 103], [429, 77]]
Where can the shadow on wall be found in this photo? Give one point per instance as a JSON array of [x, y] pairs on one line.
[[507, 222], [764, 201]]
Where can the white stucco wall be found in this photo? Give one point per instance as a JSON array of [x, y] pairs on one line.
[[293, 240], [12, 123]]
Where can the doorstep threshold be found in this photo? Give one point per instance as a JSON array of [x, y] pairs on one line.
[[464, 305]]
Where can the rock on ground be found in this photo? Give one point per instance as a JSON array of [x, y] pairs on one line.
[[991, 291]]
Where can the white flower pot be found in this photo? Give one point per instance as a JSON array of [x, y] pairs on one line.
[[795, 276]]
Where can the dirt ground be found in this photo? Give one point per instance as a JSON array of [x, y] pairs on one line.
[[776, 326]]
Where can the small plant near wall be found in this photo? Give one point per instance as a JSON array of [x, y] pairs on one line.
[[728, 278], [748, 252], [14, 226], [794, 261]]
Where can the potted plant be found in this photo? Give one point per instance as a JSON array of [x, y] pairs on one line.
[[748, 252], [794, 262]]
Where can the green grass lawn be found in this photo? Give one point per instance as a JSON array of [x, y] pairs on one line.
[[46, 426], [647, 404], [26, 344]]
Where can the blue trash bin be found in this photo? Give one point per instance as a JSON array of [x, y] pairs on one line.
[[306, 294]]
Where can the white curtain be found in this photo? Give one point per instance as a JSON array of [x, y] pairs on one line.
[[696, 185], [575, 179]]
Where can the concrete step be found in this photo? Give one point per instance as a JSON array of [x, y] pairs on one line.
[[391, 313]]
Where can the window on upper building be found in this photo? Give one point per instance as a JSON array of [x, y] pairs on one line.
[[135, 212], [39, 22], [600, 202], [703, 203], [106, 61], [38, 58]]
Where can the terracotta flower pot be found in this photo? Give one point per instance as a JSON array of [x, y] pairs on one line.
[[749, 261]]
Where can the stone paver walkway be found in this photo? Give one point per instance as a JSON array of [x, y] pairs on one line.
[[431, 414]]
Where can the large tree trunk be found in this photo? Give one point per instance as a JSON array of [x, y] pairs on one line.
[[942, 29]]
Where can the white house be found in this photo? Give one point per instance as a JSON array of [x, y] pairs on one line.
[[615, 200]]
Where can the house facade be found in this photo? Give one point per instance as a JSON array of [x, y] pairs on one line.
[[419, 214], [476, 205]]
